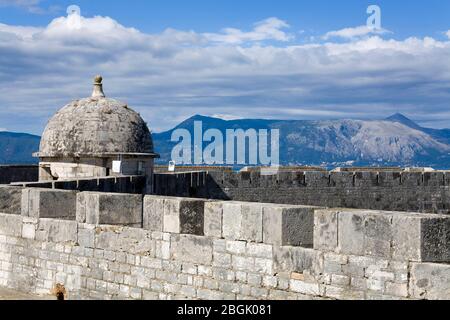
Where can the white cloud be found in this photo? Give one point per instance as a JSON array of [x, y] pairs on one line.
[[175, 74], [19, 3], [18, 31], [269, 29], [30, 5], [353, 33]]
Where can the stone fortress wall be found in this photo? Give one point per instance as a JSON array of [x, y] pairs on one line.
[[427, 192], [101, 245]]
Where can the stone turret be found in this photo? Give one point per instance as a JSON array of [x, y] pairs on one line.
[[95, 137]]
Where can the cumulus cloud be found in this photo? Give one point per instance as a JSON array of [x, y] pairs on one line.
[[354, 33], [175, 74]]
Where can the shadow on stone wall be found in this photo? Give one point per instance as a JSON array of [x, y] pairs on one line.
[[427, 192], [10, 174]]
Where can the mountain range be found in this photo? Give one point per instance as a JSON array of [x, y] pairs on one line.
[[16, 148], [394, 141]]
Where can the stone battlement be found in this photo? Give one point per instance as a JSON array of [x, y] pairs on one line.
[[110, 245], [427, 192], [376, 189]]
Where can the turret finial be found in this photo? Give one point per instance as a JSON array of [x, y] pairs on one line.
[[98, 88]]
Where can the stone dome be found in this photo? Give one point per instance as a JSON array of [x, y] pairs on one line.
[[96, 127]]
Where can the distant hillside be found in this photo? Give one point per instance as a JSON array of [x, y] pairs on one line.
[[17, 148], [396, 140]]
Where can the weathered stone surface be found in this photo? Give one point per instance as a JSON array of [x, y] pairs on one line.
[[115, 262], [110, 209], [435, 238], [139, 241], [407, 237], [49, 203], [184, 215], [385, 190], [93, 126], [296, 259], [377, 235], [396, 235], [242, 221], [251, 223], [232, 220], [10, 225], [213, 219], [351, 232], [325, 230], [86, 235], [29, 227], [430, 281], [191, 248], [311, 289], [10, 199], [153, 215], [288, 225], [57, 231]]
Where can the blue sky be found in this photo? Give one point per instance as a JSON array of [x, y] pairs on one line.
[[407, 18], [265, 59]]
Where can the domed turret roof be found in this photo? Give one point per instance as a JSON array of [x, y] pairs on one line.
[[96, 127]]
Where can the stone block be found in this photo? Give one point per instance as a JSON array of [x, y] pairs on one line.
[[351, 232], [11, 225], [242, 221], [310, 289], [107, 238], [259, 250], [184, 216], [297, 259], [50, 230], [10, 199], [325, 230], [213, 219], [401, 236], [435, 238], [138, 241], [317, 179], [29, 227], [80, 215], [190, 248], [86, 236], [49, 203], [232, 220], [343, 180], [412, 179], [233, 247], [109, 209], [406, 238], [377, 235], [366, 179], [415, 237], [153, 214], [288, 225], [430, 281]]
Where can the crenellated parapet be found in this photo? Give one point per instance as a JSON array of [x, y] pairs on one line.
[[426, 192], [112, 245]]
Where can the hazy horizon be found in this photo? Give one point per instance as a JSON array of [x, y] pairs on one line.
[[169, 60]]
